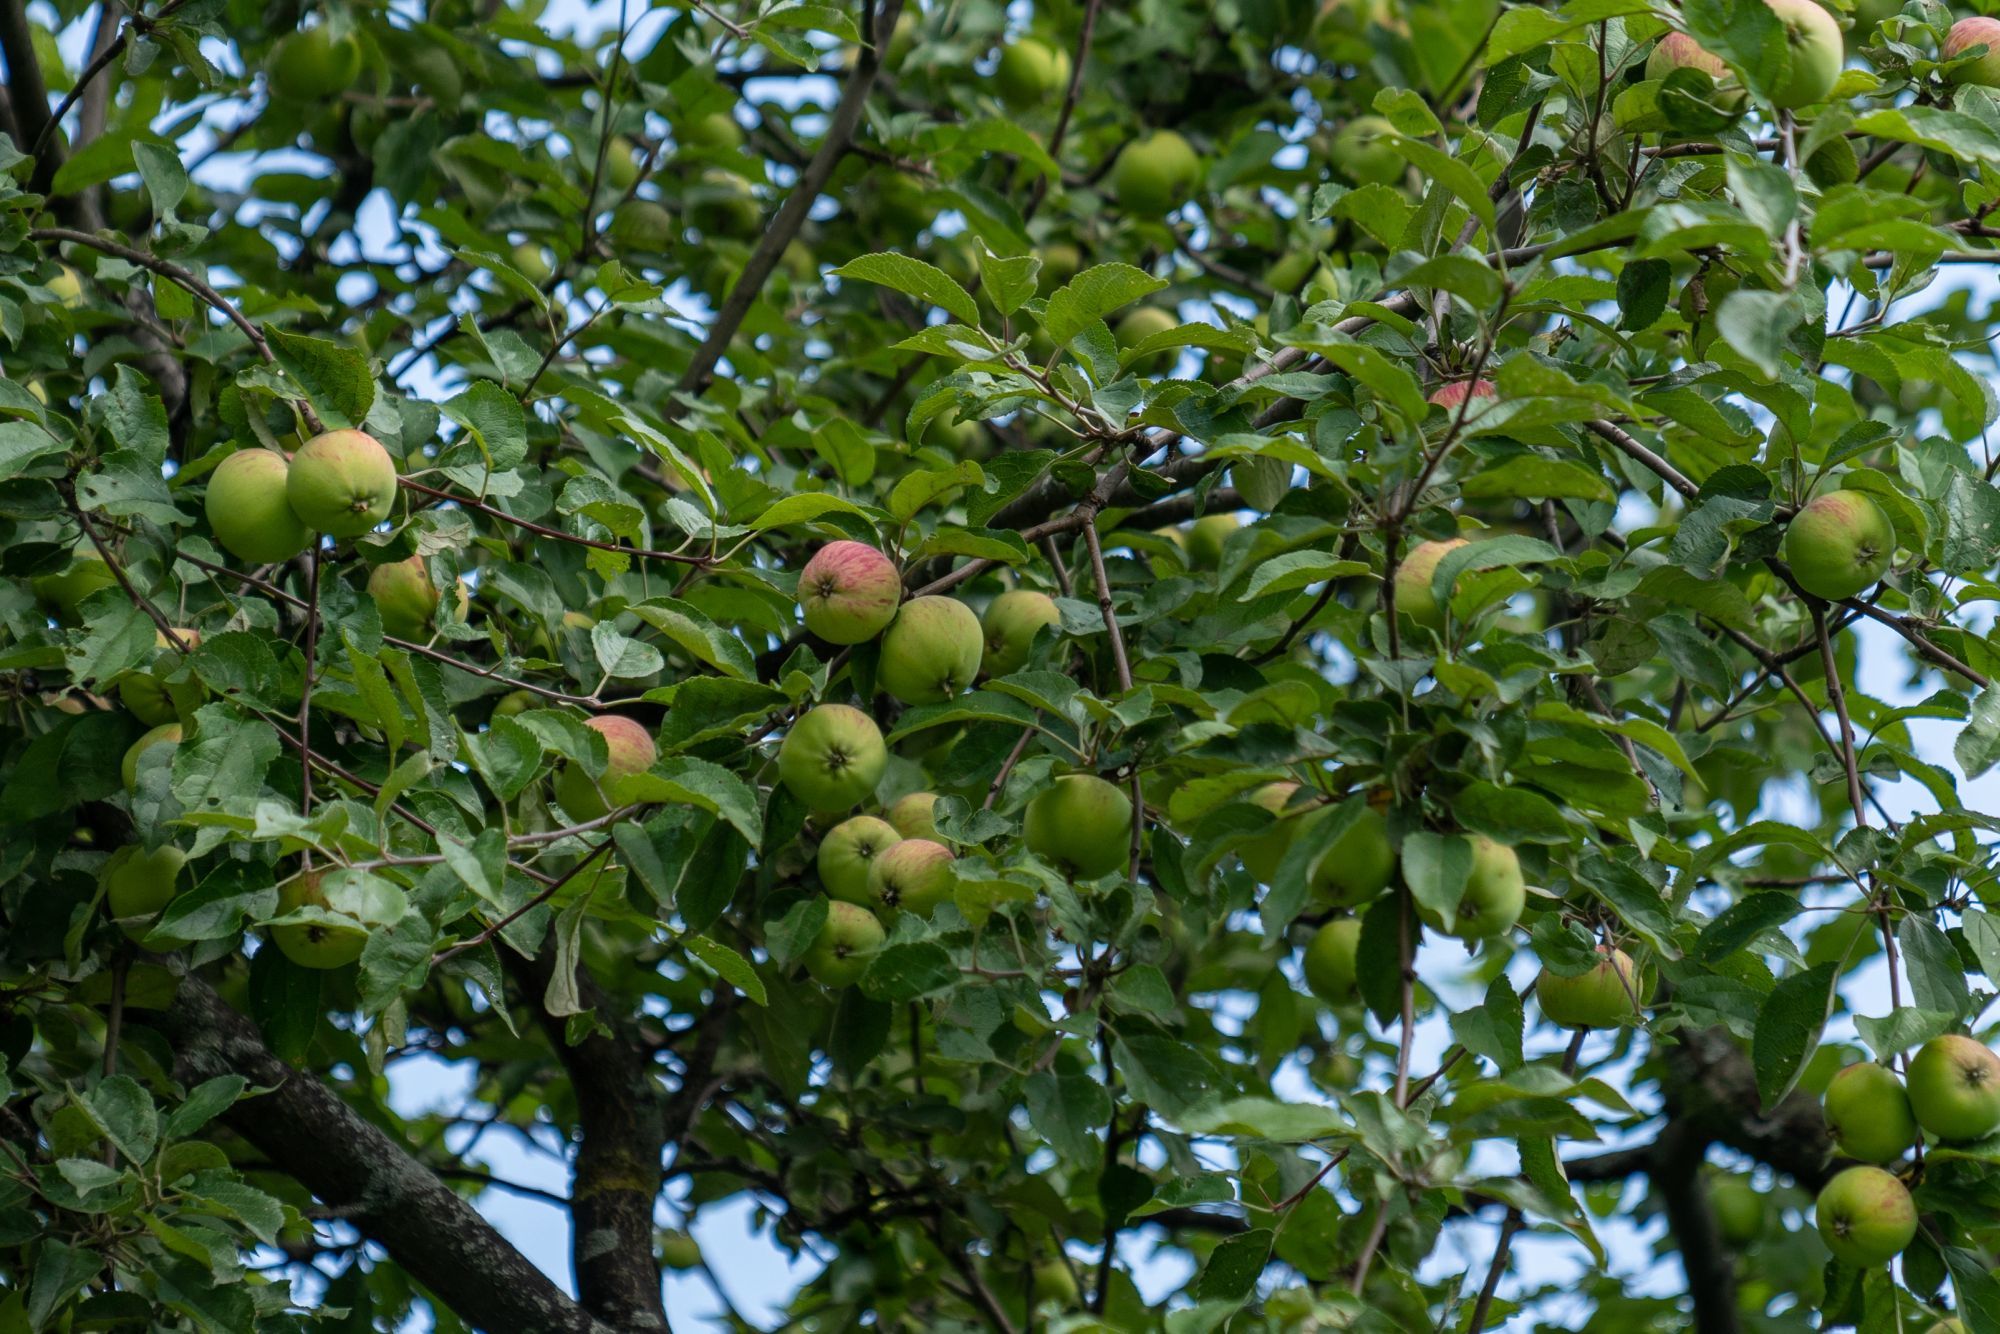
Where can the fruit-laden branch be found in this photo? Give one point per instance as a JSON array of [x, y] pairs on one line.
[[791, 215], [312, 1134]]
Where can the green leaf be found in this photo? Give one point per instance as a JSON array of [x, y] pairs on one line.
[[913, 277], [335, 378], [728, 965], [166, 179], [1093, 294], [1788, 1028], [1937, 977], [124, 1111], [684, 780], [1436, 868], [1234, 1267]]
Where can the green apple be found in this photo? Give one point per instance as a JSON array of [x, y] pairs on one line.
[[1865, 1216], [1604, 997], [1869, 1113], [341, 483], [167, 734], [316, 944], [912, 876], [1155, 175], [1954, 1084], [1839, 544], [846, 943], [1141, 323], [848, 852], [1359, 865], [643, 225], [630, 750], [531, 261], [1261, 855], [1330, 961], [1414, 598], [62, 595], [678, 1250], [404, 596], [1361, 152], [621, 164], [911, 816], [1010, 625], [1816, 49], [723, 204], [516, 702], [849, 592], [1080, 823], [1205, 537], [716, 132], [1055, 1282], [1060, 262], [311, 66], [248, 510], [1495, 893], [832, 758], [931, 651], [139, 883], [1031, 73], [1739, 1208], [66, 286], [145, 693]]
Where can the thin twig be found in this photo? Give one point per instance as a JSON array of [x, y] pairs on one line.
[[548, 893]]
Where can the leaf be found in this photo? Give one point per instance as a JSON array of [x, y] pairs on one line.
[[1937, 977], [1234, 1267], [335, 378], [206, 1101], [1742, 922], [125, 1113], [1788, 1028], [1296, 570], [913, 277], [1091, 295], [1756, 324], [728, 965], [166, 179], [682, 779], [905, 971], [1436, 868]]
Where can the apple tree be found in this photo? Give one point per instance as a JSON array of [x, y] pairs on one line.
[[1268, 666]]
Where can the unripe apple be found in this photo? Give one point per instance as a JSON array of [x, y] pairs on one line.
[[1869, 1113], [848, 852], [1205, 537], [1676, 51], [849, 592], [1290, 270], [67, 286], [316, 945], [912, 876], [1866, 1217], [1449, 395], [516, 702], [404, 596], [931, 651], [63, 595], [832, 757], [723, 204], [1954, 1084], [1495, 893], [630, 750], [1358, 866], [1261, 855], [1361, 152], [902, 39], [1330, 961], [911, 816], [621, 164], [1414, 598], [311, 66], [1817, 50], [678, 1250], [1030, 73], [1967, 33], [1060, 262], [1141, 323], [643, 225], [341, 483], [1839, 544], [1604, 997], [531, 261], [717, 132], [1080, 823], [248, 510], [139, 883], [167, 734], [146, 694], [1053, 1282], [849, 938], [1739, 1209], [1010, 625], [1156, 174]]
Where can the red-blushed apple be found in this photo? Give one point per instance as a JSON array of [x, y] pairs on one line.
[[1156, 174], [848, 851], [911, 817], [320, 943], [1865, 1217], [1081, 824], [849, 592], [1261, 855], [1816, 48], [248, 510], [1967, 33], [404, 596], [145, 693], [1839, 544], [629, 750], [679, 1251], [1031, 73], [1604, 997], [1676, 51], [1739, 1208], [138, 883], [341, 483], [1330, 961], [1954, 1086], [832, 758], [846, 943], [1495, 893], [1414, 598], [1361, 152], [913, 876], [1011, 623], [931, 651], [1359, 865], [166, 734], [1205, 537], [1449, 395], [1869, 1113]]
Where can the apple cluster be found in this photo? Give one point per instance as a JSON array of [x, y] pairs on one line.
[[264, 507]]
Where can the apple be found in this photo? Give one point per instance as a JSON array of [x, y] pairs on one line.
[[910, 816], [848, 938], [1361, 153], [1967, 33], [1155, 175], [62, 595], [516, 702], [146, 694], [1604, 997], [531, 261], [1261, 855], [66, 287], [1141, 323], [1010, 625], [849, 592], [1865, 1216], [723, 204], [1839, 544], [902, 39], [1060, 262], [848, 852], [167, 734], [1954, 1084], [1739, 1209], [1030, 73], [248, 510], [1448, 396], [1413, 582], [912, 876], [832, 757], [1817, 51], [1330, 961], [1495, 893], [1678, 51], [341, 483], [630, 750], [1360, 863], [621, 163], [643, 225], [1205, 537], [1080, 823], [1869, 1113], [139, 883], [312, 66], [405, 597], [931, 651], [1290, 270], [317, 945], [717, 132], [1054, 1282], [678, 1250]]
